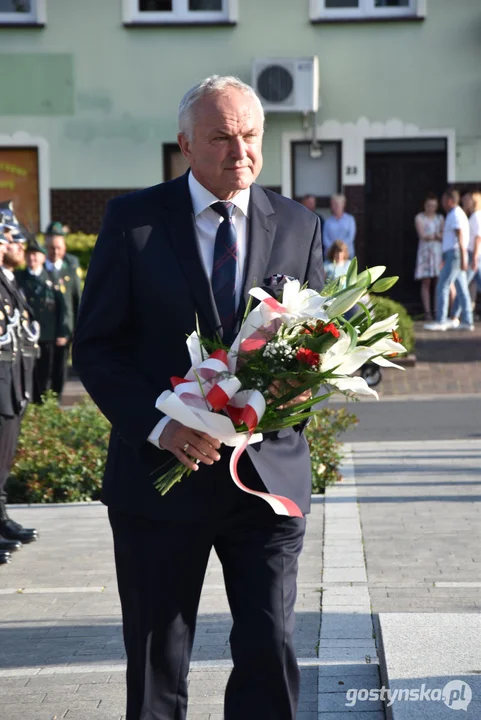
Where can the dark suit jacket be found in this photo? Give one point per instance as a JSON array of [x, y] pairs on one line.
[[145, 284]]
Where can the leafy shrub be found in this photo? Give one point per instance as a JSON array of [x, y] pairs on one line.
[[384, 307], [81, 245], [326, 450], [61, 454]]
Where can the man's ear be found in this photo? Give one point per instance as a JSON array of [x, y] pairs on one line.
[[184, 145]]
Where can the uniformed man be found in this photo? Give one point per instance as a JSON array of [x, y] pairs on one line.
[[41, 289], [67, 269], [16, 368]]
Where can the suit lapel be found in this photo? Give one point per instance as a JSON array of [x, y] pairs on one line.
[[179, 221], [262, 227]]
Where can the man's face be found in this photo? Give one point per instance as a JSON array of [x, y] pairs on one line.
[[56, 248], [309, 202], [467, 202], [448, 203], [225, 151], [35, 260], [337, 206], [14, 255]]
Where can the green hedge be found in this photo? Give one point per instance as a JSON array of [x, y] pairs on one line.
[[326, 450], [384, 307], [61, 453]]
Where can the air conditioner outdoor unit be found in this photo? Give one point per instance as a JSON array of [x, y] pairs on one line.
[[287, 84]]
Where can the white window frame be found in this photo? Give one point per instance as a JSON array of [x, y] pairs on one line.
[[366, 11], [37, 15], [180, 14]]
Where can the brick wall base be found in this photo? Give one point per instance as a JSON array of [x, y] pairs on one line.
[[82, 210]]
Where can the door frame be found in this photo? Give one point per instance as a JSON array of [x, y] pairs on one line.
[[352, 137], [24, 140]]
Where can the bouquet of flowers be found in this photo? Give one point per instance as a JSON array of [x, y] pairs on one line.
[[287, 346]]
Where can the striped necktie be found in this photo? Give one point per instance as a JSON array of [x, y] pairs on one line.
[[224, 269]]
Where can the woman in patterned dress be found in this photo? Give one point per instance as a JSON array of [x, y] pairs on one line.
[[429, 227]]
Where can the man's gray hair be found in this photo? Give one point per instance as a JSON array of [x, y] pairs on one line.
[[210, 86], [339, 196]]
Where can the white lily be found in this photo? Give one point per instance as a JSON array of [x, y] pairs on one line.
[[386, 346], [356, 385], [301, 304], [387, 325], [343, 360]]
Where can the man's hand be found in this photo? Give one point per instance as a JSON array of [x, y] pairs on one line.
[[61, 342], [279, 389], [464, 260], [185, 444]]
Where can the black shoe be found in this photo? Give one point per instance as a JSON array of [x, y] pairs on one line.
[[9, 545], [5, 557], [11, 530]]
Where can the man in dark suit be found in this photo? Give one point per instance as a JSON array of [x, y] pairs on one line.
[[18, 353], [195, 246], [42, 292], [66, 268]]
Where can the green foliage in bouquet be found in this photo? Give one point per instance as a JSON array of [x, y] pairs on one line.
[[384, 307], [61, 454], [325, 448]]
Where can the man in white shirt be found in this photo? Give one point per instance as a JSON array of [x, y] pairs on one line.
[[193, 248], [455, 265], [471, 202]]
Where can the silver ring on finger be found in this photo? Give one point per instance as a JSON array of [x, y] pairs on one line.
[[185, 447]]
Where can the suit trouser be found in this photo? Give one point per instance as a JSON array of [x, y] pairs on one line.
[[59, 369], [160, 570], [9, 432], [43, 370]]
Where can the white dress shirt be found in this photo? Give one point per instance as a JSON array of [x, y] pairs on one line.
[[8, 274], [207, 223], [57, 265], [36, 272]]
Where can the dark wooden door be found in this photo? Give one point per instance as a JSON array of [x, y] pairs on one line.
[[396, 184]]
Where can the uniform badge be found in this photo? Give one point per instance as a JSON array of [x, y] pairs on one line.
[[79, 272], [8, 309], [63, 289], [67, 278]]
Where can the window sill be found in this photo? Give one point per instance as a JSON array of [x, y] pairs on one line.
[[4, 25], [186, 23], [369, 19]]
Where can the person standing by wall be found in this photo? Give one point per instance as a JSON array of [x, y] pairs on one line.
[[429, 227], [66, 267], [455, 264], [339, 226], [42, 292]]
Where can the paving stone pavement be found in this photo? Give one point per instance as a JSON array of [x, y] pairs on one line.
[[61, 650], [420, 505]]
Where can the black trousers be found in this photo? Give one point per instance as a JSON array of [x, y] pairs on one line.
[[160, 571], [59, 369], [9, 432], [44, 370]]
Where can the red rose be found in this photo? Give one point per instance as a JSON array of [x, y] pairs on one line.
[[309, 357], [331, 328]]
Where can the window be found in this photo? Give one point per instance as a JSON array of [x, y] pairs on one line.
[[22, 12], [366, 9], [152, 12], [317, 174], [175, 164]]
